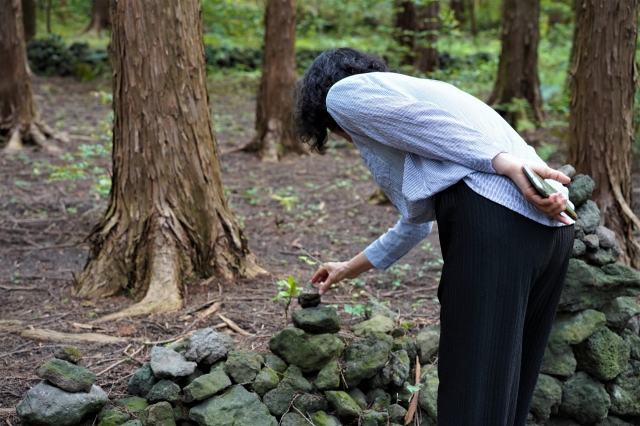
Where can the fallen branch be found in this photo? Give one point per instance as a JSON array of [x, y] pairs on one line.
[[120, 362], [210, 310], [18, 288], [232, 325], [202, 306], [414, 398], [10, 325], [56, 336], [7, 411]]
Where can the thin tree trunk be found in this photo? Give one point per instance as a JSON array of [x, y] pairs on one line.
[[29, 19], [603, 82], [405, 30], [472, 17], [518, 69], [274, 124], [18, 118], [99, 17], [426, 49], [48, 16], [458, 7], [168, 221]]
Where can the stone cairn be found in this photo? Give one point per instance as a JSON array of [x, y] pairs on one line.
[[315, 375]]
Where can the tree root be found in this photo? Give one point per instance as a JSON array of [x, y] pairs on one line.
[[39, 133]]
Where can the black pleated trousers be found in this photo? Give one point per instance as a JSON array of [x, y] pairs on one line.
[[501, 282]]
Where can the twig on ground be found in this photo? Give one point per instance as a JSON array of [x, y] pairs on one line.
[[232, 325], [210, 310], [18, 288], [120, 362]]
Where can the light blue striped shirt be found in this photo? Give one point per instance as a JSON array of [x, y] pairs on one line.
[[419, 137]]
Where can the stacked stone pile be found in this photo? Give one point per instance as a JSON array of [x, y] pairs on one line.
[[66, 395]]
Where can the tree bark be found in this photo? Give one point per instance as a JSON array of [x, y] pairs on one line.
[[603, 81], [274, 124], [426, 49], [518, 68], [100, 20], [458, 7], [29, 19], [168, 220], [472, 17], [406, 28], [18, 117]]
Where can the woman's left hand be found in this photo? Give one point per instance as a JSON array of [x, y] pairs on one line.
[[553, 206]]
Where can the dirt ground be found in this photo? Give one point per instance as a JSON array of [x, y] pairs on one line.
[[295, 213]]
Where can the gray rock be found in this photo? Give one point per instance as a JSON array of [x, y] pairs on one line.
[[376, 325], [67, 376], [559, 360], [364, 358], [169, 364], [266, 380], [208, 346], [279, 399], [50, 406], [579, 232], [274, 362], [589, 287], [619, 311], [613, 421], [309, 296], [160, 414], [606, 237], [293, 419], [580, 189], [191, 377], [112, 418], [317, 320], [375, 308], [579, 248], [164, 390], [206, 386], [374, 418], [359, 397], [428, 397], [634, 342], [408, 344], [600, 257], [560, 421], [378, 399], [321, 418], [624, 391], [427, 342], [604, 354], [589, 215], [237, 407], [243, 366], [546, 397], [427, 421], [310, 353], [397, 413], [134, 404], [591, 241], [568, 170], [135, 422], [585, 399], [395, 372], [634, 325], [343, 403], [141, 381], [310, 403], [68, 353], [329, 376], [293, 376]]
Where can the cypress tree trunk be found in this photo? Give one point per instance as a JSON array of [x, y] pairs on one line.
[[100, 20], [29, 19], [405, 30], [274, 124], [426, 49], [168, 220], [458, 7], [518, 68], [603, 81], [18, 118]]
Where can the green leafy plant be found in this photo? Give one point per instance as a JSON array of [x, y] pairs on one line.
[[355, 310], [288, 290]]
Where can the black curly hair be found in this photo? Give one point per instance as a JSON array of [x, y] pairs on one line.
[[311, 118]]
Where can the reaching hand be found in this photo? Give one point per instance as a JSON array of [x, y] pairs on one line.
[[334, 272], [510, 166]]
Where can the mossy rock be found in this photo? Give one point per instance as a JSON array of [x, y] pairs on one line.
[[559, 361], [378, 399], [408, 344], [160, 414], [293, 419], [237, 407], [619, 311], [274, 362], [310, 403], [67, 376], [141, 381], [364, 358], [374, 418], [317, 320], [293, 376], [164, 390], [243, 366], [309, 353], [604, 355], [266, 380], [428, 397], [634, 343], [395, 372], [625, 391], [613, 421], [343, 403], [547, 397], [359, 397], [321, 418], [376, 325], [584, 399], [580, 189], [206, 386], [112, 418], [427, 343], [68, 353], [396, 413], [134, 404], [279, 399], [329, 376]]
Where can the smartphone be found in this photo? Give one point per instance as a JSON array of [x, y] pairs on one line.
[[544, 189]]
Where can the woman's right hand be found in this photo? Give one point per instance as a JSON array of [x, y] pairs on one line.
[[334, 272]]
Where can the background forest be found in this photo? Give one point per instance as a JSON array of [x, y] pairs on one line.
[[80, 215]]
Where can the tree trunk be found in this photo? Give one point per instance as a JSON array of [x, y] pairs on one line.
[[99, 17], [458, 7], [18, 118], [406, 28], [518, 68], [48, 16], [472, 17], [274, 124], [603, 81], [29, 19], [426, 49], [168, 220]]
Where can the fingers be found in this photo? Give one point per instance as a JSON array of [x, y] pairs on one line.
[[552, 206], [549, 173], [321, 274], [324, 287]]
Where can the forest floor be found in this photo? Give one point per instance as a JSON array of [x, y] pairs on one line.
[[294, 213]]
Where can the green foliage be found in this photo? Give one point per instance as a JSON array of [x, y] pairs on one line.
[[51, 56], [288, 289], [355, 310]]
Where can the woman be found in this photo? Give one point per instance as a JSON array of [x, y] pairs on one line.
[[441, 154]]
